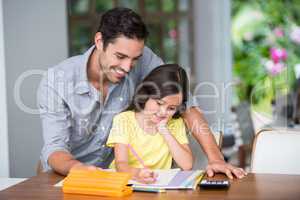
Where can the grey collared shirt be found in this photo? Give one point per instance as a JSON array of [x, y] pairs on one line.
[[73, 117]]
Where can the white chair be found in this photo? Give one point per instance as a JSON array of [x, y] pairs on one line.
[[276, 152]]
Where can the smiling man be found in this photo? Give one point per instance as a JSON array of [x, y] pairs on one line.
[[79, 97]]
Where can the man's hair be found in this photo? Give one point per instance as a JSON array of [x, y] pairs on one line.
[[165, 80], [121, 22]]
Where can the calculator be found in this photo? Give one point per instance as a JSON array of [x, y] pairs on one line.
[[214, 184]]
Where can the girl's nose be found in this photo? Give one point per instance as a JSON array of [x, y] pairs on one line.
[[162, 111]]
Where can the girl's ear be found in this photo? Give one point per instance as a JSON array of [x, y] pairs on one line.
[[181, 109]]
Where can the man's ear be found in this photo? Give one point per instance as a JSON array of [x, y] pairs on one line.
[[98, 41]]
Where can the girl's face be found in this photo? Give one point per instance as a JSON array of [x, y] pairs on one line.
[[160, 109]]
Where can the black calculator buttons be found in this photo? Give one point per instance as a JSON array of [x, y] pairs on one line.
[[214, 184]]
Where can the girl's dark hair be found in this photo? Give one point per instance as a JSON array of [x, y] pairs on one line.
[[165, 80], [121, 21]]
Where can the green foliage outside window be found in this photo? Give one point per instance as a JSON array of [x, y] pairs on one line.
[[167, 22], [266, 47]]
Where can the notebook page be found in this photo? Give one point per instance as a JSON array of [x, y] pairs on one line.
[[163, 179]]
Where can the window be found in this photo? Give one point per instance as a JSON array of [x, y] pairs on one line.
[[169, 23], [266, 54]]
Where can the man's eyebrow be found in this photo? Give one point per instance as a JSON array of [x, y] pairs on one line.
[[121, 54], [126, 56], [138, 56]]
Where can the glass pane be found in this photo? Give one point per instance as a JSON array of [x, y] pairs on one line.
[[170, 39], [81, 38], [132, 4], [103, 5], [184, 41], [153, 41], [152, 5], [184, 5], [78, 7], [169, 5]]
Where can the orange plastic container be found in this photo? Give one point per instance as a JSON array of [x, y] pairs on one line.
[[102, 183]]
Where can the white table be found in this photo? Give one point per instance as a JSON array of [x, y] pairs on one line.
[[8, 182]]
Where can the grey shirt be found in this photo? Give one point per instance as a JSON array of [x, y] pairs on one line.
[[73, 118]]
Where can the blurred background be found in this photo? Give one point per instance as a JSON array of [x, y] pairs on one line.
[[243, 59]]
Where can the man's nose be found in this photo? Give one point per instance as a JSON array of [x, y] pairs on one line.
[[126, 65]]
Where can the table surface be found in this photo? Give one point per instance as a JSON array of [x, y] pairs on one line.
[[253, 186]]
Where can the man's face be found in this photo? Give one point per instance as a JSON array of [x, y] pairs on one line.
[[119, 57]]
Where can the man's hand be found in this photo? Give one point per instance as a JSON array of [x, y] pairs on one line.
[[223, 167], [62, 162], [81, 166]]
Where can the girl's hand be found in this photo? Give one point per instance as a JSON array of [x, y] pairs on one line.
[[162, 126], [146, 176]]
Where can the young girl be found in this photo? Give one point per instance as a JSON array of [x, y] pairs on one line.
[[152, 133]]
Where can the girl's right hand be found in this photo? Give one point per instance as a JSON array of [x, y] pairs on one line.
[[146, 176], [162, 126]]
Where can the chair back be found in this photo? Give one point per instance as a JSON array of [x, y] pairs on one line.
[[276, 152]]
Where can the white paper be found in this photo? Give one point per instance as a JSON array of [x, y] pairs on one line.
[[163, 178]]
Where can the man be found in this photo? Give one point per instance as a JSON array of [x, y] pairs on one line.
[[79, 97]]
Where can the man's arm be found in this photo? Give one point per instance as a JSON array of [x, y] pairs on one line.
[[56, 125], [196, 123], [62, 162]]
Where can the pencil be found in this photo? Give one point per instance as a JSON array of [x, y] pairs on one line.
[[137, 156]]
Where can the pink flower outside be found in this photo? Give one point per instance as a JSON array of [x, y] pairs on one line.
[[173, 34], [278, 54], [274, 68], [295, 35], [278, 32]]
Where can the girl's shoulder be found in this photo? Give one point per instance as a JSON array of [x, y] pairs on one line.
[[125, 115], [176, 122]]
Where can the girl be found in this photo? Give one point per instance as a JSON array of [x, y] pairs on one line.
[[151, 132]]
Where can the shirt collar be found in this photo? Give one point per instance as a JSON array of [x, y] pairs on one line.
[[82, 85]]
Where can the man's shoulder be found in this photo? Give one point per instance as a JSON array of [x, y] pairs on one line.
[[146, 63], [149, 56], [176, 122], [63, 78], [67, 69]]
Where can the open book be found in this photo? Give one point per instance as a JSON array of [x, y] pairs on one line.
[[171, 179]]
